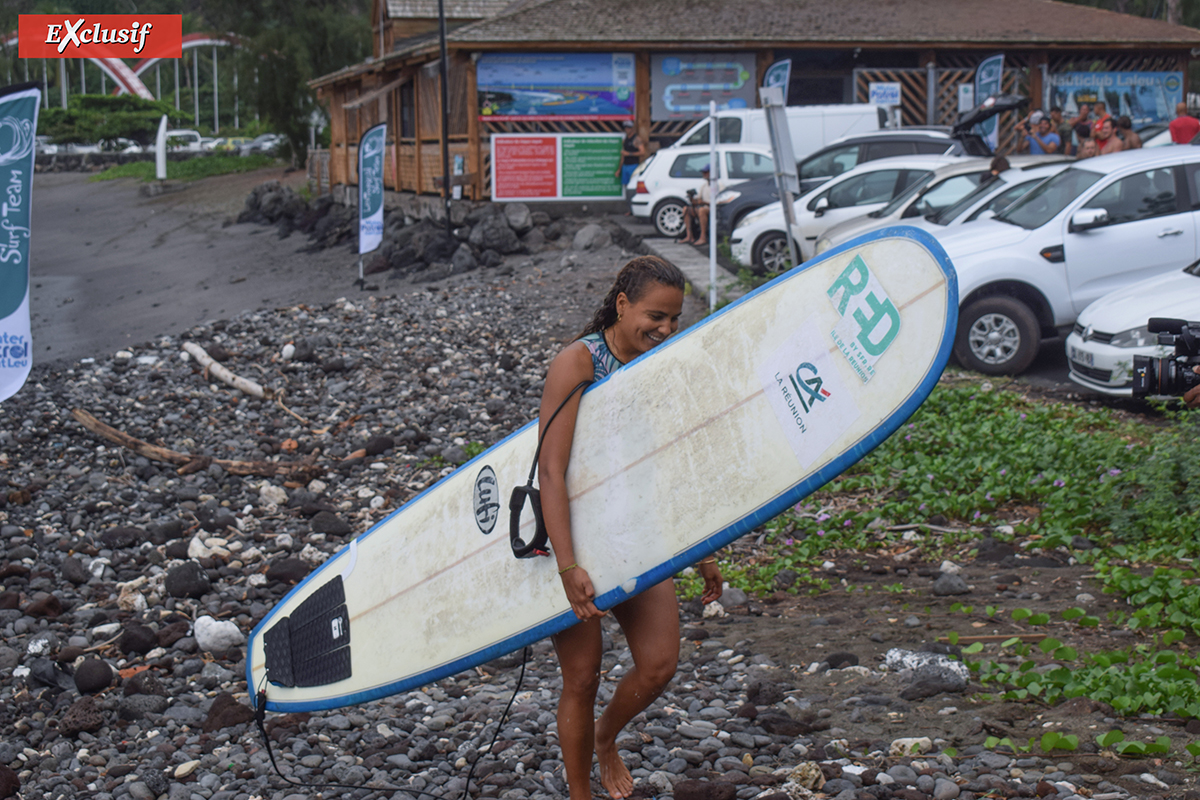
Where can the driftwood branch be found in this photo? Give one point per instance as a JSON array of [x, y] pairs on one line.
[[190, 463], [222, 374]]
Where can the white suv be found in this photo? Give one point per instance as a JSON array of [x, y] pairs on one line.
[[1097, 226], [660, 184]]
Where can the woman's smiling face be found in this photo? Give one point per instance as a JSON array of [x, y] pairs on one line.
[[648, 322]]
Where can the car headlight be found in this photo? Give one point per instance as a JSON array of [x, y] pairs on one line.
[[823, 244], [727, 196], [1134, 337], [757, 216]]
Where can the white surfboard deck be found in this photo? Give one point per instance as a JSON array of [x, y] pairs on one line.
[[677, 454]]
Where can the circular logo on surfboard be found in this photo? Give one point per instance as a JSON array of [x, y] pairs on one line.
[[487, 500]]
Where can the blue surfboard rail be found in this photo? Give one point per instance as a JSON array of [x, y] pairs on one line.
[[716, 541]]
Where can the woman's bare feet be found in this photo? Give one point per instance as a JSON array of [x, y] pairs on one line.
[[614, 775]]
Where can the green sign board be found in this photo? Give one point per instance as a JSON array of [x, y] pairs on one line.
[[591, 166]]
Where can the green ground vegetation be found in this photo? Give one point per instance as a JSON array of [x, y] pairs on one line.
[[189, 170]]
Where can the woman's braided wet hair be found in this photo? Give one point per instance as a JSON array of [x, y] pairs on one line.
[[633, 279]]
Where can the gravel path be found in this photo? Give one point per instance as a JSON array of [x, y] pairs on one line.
[[129, 584]]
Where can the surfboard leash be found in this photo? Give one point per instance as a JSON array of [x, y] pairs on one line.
[[539, 544], [260, 716]]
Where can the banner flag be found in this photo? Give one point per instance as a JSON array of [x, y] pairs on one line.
[[779, 74], [370, 188], [989, 76], [18, 124]]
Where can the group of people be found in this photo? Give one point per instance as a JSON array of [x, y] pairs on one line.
[[1092, 132]]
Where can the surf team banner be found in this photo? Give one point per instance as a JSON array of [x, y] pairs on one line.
[[370, 188], [18, 124], [989, 76]]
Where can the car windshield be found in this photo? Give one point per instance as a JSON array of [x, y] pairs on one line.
[[950, 213], [902, 198], [1047, 200]]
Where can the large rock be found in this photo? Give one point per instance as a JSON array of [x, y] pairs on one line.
[[591, 237], [463, 259], [187, 580], [948, 584], [137, 706], [932, 673], [518, 216], [83, 715], [93, 675], [117, 538], [137, 639], [226, 712], [217, 636], [494, 233]]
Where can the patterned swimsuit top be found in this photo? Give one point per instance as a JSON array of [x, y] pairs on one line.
[[603, 360]]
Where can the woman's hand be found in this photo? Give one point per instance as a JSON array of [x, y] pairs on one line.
[[580, 593], [713, 583]]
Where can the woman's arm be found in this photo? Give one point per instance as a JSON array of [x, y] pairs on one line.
[[569, 368]]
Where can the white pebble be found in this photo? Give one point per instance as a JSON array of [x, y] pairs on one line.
[[288, 352]]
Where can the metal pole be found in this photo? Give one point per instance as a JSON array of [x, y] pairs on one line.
[[931, 91], [196, 84], [62, 81], [103, 84], [216, 108], [177, 60], [713, 167], [445, 115], [82, 77], [235, 94], [158, 81], [45, 86]]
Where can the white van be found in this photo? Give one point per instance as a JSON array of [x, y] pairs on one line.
[[812, 127]]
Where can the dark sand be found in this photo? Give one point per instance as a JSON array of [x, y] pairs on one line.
[[111, 268]]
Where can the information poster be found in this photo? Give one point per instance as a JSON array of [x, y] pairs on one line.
[[556, 166], [558, 86], [683, 84], [1144, 97]]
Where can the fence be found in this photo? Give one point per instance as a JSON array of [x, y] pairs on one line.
[[930, 96], [317, 167]]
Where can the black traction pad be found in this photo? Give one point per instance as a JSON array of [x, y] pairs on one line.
[[312, 646]]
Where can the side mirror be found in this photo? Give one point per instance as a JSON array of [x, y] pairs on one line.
[[1087, 218], [821, 206], [986, 214]]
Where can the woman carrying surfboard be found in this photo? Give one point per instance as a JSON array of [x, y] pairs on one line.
[[640, 311]]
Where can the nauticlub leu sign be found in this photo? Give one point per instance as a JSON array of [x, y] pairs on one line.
[[370, 188], [18, 124]]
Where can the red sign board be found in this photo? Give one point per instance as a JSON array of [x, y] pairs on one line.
[[100, 36], [525, 166]]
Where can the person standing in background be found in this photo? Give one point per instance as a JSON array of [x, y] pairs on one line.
[[1128, 134], [632, 152], [1184, 127]]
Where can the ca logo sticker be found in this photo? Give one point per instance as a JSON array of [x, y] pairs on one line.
[[809, 387]]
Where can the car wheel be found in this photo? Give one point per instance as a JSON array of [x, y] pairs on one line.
[[997, 335], [668, 218], [771, 253]]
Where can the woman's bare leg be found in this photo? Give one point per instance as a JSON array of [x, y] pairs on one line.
[[650, 621], [579, 648]]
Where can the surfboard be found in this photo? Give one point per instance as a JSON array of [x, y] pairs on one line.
[[683, 450]]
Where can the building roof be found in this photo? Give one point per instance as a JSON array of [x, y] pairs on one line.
[[1042, 23], [455, 9]]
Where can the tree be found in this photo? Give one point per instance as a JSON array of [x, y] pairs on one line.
[[100, 118], [287, 43]]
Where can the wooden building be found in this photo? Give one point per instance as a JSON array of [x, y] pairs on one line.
[[930, 47]]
